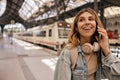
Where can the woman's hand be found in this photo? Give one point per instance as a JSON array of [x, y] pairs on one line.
[[104, 42]]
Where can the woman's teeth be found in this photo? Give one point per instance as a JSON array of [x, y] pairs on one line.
[[87, 28]]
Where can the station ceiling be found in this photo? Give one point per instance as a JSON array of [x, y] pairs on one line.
[[13, 6]]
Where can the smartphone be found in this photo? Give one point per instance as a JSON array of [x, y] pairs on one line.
[[97, 34]]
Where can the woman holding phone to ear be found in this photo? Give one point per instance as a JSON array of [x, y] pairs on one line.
[[91, 40]]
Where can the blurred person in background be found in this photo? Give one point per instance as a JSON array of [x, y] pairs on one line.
[[116, 34]]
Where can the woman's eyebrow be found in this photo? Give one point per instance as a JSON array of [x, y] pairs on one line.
[[92, 17], [82, 17]]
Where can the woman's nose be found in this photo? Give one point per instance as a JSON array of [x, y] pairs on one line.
[[87, 22]]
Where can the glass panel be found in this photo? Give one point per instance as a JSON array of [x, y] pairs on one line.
[[2, 6], [63, 33], [29, 7], [50, 33]]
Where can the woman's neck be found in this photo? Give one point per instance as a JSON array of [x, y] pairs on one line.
[[84, 40]]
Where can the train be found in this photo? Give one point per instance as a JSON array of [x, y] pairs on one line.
[[53, 36]]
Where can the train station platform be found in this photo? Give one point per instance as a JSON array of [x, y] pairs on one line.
[[20, 60]]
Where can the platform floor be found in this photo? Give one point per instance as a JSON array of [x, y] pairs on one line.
[[25, 61]]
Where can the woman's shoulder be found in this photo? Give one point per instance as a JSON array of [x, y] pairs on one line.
[[66, 50], [68, 46]]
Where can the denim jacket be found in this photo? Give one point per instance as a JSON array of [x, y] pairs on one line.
[[63, 67]]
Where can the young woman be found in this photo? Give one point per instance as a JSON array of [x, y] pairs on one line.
[[91, 40]]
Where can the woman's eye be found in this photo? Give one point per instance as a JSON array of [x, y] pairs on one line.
[[81, 20], [91, 19]]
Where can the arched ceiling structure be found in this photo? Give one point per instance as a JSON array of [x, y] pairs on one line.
[[13, 6], [11, 12], [114, 2]]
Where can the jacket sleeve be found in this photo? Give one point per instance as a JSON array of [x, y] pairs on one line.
[[63, 70], [113, 62]]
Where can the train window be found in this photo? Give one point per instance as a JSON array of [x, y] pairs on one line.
[[63, 33], [27, 34], [50, 32], [38, 34], [42, 33]]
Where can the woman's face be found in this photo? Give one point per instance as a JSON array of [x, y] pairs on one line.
[[86, 25]]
